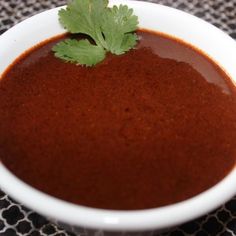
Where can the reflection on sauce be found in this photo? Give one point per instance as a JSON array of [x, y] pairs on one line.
[[186, 54], [145, 129]]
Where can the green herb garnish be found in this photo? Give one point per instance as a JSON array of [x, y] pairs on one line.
[[111, 29]]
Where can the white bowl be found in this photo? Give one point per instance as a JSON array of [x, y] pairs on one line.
[[197, 32]]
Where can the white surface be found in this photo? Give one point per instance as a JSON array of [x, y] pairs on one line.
[[202, 35]]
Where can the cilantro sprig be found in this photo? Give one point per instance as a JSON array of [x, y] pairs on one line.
[[111, 29]]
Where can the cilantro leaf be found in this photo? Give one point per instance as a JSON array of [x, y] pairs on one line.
[[82, 52], [118, 22], [128, 42], [84, 16], [111, 29]]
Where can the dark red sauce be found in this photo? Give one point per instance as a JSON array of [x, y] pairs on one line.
[[145, 129]]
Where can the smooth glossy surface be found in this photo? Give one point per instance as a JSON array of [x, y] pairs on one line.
[[149, 128]]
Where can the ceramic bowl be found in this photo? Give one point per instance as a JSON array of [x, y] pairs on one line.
[[202, 35]]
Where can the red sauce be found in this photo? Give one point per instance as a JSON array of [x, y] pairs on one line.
[[145, 129]]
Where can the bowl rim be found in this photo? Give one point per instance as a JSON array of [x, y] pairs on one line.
[[118, 220]]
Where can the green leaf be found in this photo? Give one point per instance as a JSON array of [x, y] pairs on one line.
[[82, 52], [111, 29], [117, 24], [84, 16], [129, 41]]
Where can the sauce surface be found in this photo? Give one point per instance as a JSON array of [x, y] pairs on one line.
[[145, 129]]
